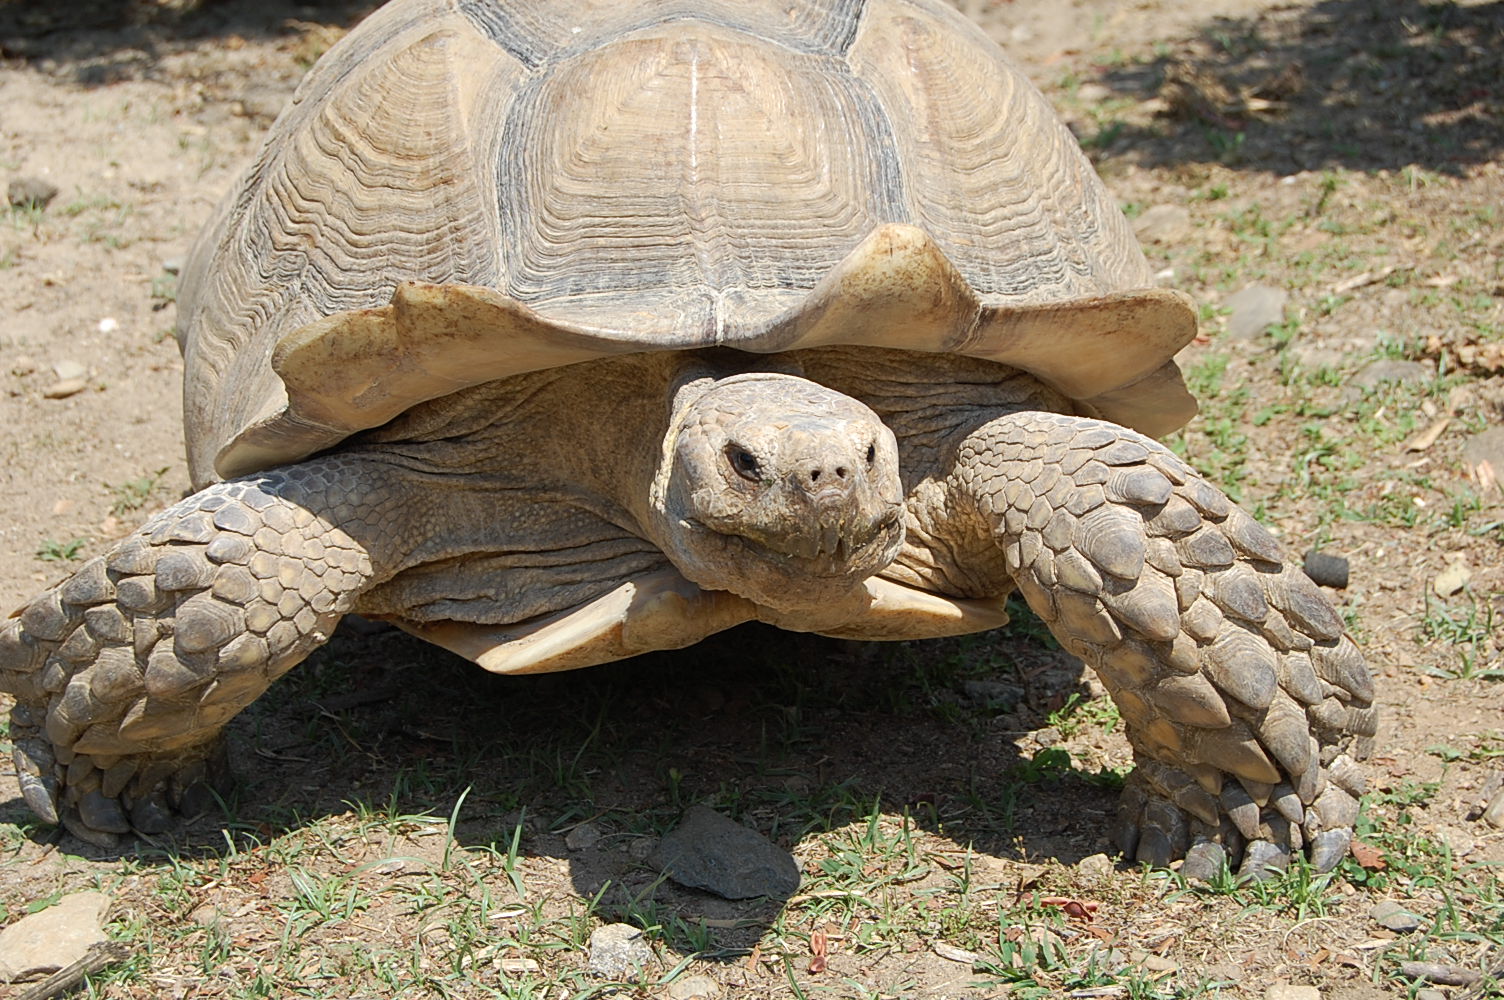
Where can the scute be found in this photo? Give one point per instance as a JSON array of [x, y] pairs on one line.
[[818, 174]]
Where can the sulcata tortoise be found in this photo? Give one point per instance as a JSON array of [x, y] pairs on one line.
[[558, 331]]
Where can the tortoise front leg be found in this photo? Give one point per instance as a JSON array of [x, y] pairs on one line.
[[125, 673], [1243, 700]]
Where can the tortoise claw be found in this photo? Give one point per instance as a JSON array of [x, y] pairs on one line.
[[1206, 860], [1263, 860]]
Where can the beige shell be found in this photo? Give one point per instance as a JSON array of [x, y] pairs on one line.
[[468, 189]]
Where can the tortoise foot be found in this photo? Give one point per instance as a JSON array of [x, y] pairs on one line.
[[125, 673], [1253, 831], [102, 798]]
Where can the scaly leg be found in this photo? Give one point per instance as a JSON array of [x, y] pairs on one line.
[[125, 673], [1244, 702]]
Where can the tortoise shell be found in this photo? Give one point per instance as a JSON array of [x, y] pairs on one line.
[[463, 190]]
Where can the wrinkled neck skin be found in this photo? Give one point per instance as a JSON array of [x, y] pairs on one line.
[[777, 489]]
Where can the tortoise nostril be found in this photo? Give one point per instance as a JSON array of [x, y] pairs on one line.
[[814, 475], [841, 472]]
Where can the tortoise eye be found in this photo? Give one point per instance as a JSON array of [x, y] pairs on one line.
[[872, 453], [744, 464]]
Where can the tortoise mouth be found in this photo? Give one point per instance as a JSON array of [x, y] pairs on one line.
[[784, 564]]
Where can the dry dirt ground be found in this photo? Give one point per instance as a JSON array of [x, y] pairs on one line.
[[406, 826]]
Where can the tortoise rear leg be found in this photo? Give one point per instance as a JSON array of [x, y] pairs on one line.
[[125, 673], [1244, 702]]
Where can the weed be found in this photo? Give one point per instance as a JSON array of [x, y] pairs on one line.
[[52, 550], [133, 493]]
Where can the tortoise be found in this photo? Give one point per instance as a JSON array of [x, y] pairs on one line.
[[557, 332]]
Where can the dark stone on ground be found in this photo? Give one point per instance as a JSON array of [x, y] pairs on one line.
[[708, 851]]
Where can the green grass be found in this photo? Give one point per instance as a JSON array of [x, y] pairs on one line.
[[52, 550]]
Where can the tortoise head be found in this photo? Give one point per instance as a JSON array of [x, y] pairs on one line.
[[777, 489]]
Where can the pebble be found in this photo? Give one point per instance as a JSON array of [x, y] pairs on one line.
[[1376, 373], [1096, 866], [708, 851], [1166, 224], [43, 942], [1493, 813], [1430, 995], [582, 837], [619, 951], [31, 192], [951, 953], [174, 265], [108, 325], [993, 694], [23, 366], [66, 370], [693, 988], [1486, 447], [1254, 310], [1392, 916], [1285, 991], [64, 388]]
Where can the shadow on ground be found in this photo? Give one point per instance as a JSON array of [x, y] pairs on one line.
[[795, 736], [99, 42], [1341, 83]]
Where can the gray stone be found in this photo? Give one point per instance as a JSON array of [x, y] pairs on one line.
[[1486, 447], [43, 942], [993, 694], [1165, 224], [1376, 373], [693, 988], [708, 851], [582, 837], [1430, 995], [1254, 310], [1392, 916], [31, 192], [619, 951]]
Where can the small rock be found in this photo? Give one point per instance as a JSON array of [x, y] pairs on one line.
[[619, 951], [708, 851], [23, 366], [65, 370], [693, 988], [582, 837], [1493, 813], [1430, 995], [1167, 224], [1453, 578], [951, 953], [1093, 93], [1376, 373], [1392, 916], [174, 265], [43, 942], [1313, 357], [1285, 991], [1485, 448], [1254, 310], [1096, 866], [65, 388], [993, 694], [1436, 972], [31, 192], [107, 325]]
